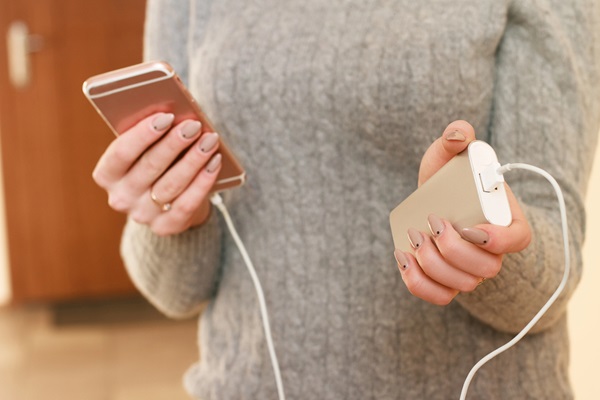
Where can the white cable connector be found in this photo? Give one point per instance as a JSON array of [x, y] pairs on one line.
[[491, 178], [217, 201]]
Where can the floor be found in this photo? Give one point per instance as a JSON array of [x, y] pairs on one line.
[[118, 350]]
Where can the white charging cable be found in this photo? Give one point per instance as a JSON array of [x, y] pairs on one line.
[[563, 214], [217, 201]]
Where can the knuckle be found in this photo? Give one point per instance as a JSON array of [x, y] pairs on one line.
[[173, 142], [449, 248], [99, 178], [470, 285], [150, 166], [118, 202], [121, 155], [415, 287], [443, 299], [493, 269], [526, 240], [168, 189], [418, 288], [186, 209], [426, 258], [140, 217]]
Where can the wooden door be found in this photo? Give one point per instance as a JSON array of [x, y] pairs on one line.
[[63, 238]]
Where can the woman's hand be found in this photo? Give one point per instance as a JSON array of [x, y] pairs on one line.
[[144, 178], [447, 262]]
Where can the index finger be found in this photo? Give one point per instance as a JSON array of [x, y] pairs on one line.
[[122, 153]]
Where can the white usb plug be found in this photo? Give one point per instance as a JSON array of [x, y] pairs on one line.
[[491, 177]]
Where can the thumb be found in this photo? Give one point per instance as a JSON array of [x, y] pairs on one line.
[[456, 138]]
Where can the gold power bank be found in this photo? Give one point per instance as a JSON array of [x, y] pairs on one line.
[[454, 193]]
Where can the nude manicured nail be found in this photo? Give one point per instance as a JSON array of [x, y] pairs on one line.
[[415, 238], [208, 142], [214, 163], [436, 225], [162, 122], [190, 129], [401, 260], [474, 235], [456, 136]]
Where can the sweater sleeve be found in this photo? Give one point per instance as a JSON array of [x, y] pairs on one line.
[[178, 273], [545, 113]]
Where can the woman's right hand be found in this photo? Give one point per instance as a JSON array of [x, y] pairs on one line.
[[138, 172]]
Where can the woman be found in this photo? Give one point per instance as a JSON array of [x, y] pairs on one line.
[[330, 107]]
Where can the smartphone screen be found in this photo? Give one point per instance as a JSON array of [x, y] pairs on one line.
[[125, 96]]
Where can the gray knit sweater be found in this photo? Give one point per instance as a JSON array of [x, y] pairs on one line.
[[330, 105]]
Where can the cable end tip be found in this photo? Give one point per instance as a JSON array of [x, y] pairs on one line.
[[491, 177], [216, 199]]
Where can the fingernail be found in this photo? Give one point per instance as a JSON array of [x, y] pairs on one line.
[[162, 122], [456, 136], [208, 142], [436, 225], [475, 235], [415, 238], [190, 129], [401, 260], [214, 163]]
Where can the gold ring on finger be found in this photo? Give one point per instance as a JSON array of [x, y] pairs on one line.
[[160, 204]]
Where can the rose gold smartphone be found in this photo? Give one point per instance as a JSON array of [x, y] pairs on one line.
[[455, 193], [125, 96]]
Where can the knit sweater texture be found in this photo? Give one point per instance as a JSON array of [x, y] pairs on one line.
[[330, 106]]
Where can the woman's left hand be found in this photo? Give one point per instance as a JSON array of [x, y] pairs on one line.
[[447, 262]]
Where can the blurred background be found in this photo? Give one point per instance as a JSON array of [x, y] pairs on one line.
[[71, 324]]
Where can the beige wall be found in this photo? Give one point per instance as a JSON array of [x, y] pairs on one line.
[[584, 309]]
